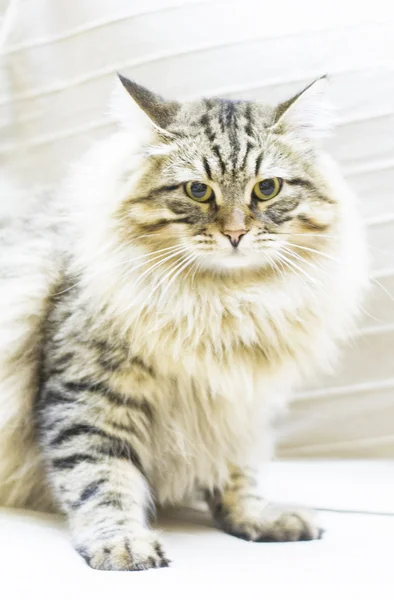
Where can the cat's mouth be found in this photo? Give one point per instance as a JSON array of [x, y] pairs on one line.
[[228, 259], [226, 250]]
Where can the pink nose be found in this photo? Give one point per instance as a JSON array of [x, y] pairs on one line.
[[234, 235]]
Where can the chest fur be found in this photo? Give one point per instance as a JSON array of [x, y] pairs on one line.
[[217, 381], [244, 333], [222, 361]]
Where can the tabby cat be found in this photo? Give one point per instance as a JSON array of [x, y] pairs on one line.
[[195, 267]]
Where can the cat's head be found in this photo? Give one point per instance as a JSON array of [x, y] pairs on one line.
[[230, 185]]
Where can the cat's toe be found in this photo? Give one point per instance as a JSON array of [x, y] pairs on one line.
[[291, 526], [274, 525], [124, 552]]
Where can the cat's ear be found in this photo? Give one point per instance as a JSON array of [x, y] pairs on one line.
[[159, 112], [309, 112]]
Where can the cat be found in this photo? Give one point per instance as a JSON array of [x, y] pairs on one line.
[[194, 268]]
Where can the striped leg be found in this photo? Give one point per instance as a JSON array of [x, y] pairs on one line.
[[108, 518], [97, 477], [239, 510]]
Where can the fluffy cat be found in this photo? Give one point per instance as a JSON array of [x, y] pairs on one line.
[[194, 268]]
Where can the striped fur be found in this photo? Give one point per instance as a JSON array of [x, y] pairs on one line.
[[142, 355]]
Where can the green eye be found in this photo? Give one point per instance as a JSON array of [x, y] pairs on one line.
[[201, 192], [267, 188]]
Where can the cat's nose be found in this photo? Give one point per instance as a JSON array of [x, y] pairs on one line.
[[234, 235]]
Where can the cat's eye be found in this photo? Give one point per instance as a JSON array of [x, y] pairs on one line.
[[266, 189], [201, 192]]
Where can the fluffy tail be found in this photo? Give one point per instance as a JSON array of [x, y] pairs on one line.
[[29, 270]]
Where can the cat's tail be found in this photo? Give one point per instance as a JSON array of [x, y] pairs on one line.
[[29, 270]]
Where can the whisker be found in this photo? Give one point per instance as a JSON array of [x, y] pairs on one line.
[[369, 315], [275, 268], [197, 266], [285, 264], [318, 252], [168, 272], [177, 273], [160, 252], [126, 261], [289, 252], [313, 251], [288, 261], [168, 256], [178, 263], [382, 287], [185, 275], [320, 235], [141, 279]]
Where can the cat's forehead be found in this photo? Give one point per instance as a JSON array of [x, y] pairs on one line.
[[224, 114], [224, 140]]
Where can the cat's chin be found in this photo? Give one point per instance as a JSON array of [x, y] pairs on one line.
[[234, 261]]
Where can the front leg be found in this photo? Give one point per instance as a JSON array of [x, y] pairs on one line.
[[241, 511], [94, 464]]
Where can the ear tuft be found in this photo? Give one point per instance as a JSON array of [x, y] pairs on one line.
[[160, 112], [309, 112]]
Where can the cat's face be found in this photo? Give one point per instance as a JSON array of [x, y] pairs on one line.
[[231, 184]]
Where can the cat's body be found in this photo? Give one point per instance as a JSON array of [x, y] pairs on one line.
[[154, 373]]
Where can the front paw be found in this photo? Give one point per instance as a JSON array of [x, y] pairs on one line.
[[124, 551], [268, 523]]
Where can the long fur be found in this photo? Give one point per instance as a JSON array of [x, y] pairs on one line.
[[181, 364]]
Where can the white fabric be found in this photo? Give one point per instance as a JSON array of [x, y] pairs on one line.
[[353, 560], [56, 74]]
